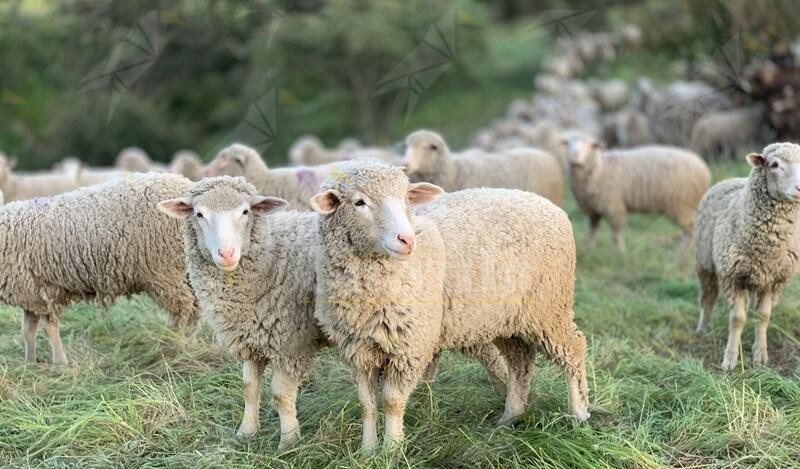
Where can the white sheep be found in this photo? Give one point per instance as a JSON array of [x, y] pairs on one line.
[[296, 184], [254, 277], [23, 186], [94, 243], [428, 158], [651, 179], [188, 164], [482, 266], [611, 94], [134, 159], [724, 132], [748, 242]]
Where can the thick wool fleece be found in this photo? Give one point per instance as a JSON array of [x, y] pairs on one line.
[[25, 186], [296, 185], [95, 243], [649, 179], [527, 169]]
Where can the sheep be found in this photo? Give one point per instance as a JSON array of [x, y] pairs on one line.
[[188, 164], [626, 128], [723, 132], [94, 243], [297, 184], [308, 151], [649, 179], [748, 242], [256, 289], [611, 95], [24, 186], [429, 159], [546, 83], [393, 288]]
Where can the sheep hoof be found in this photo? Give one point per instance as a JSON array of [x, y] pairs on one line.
[[288, 440], [728, 363], [760, 358], [246, 431], [368, 450], [701, 329], [508, 421], [582, 415]]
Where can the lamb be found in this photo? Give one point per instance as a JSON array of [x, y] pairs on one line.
[[748, 242], [188, 164], [94, 243], [393, 289], [296, 185], [134, 159], [256, 285], [649, 179], [23, 186], [429, 159], [723, 132]]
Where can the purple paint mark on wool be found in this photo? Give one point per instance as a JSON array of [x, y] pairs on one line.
[[40, 202], [610, 156], [306, 178]]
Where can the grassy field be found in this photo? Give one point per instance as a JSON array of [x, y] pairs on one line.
[[138, 395]]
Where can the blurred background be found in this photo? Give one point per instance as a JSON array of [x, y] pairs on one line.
[[88, 78]]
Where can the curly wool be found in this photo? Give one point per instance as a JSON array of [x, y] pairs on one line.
[[296, 185], [651, 179], [95, 243], [526, 169]]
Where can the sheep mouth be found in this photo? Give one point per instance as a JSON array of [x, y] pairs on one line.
[[227, 267], [397, 253]]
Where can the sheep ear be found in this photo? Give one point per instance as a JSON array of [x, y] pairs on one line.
[[176, 208], [261, 205], [599, 144], [326, 202], [423, 193], [756, 160]]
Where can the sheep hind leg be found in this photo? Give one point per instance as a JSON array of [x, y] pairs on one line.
[[569, 353], [252, 372], [493, 362], [53, 329], [764, 310], [617, 223], [709, 290], [736, 320], [519, 355], [30, 322]]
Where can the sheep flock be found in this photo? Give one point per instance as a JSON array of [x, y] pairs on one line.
[[393, 257]]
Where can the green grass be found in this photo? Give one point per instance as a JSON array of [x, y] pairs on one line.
[[139, 395]]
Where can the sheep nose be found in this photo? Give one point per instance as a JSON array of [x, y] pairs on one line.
[[226, 254], [406, 240]]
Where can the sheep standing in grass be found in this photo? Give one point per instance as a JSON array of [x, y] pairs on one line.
[[482, 266], [296, 185], [650, 179], [95, 243], [188, 164], [429, 159], [24, 186], [748, 241], [254, 276], [724, 132]]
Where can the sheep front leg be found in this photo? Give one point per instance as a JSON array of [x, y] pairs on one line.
[[617, 222], [737, 318], [396, 391], [764, 311], [594, 222], [52, 327], [284, 398], [252, 371], [30, 322], [366, 382], [709, 290]]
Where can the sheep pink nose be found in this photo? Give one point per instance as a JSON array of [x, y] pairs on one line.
[[406, 240], [226, 254]]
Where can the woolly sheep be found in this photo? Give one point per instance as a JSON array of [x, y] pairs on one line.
[[188, 164], [723, 132], [393, 288], [611, 95], [24, 186], [308, 151], [429, 159], [94, 243], [626, 128], [650, 179], [254, 277], [134, 159], [296, 185], [748, 242]]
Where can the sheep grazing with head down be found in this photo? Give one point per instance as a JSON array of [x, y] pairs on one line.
[[428, 159], [481, 266], [655, 179], [97, 243], [296, 185], [748, 242], [254, 277]]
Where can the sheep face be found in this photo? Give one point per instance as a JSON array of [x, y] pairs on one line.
[[782, 173], [376, 215], [307, 149], [425, 152], [581, 150], [188, 164], [234, 160], [133, 159], [222, 219]]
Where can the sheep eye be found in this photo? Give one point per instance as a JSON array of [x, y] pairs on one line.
[[774, 165], [434, 147], [359, 203], [245, 212], [200, 215]]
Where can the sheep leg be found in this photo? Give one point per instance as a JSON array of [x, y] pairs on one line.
[[430, 372], [617, 223], [284, 398], [493, 362], [30, 322], [736, 320], [709, 289], [594, 222], [764, 311], [52, 327], [569, 353], [252, 371], [366, 382], [396, 391], [519, 356]]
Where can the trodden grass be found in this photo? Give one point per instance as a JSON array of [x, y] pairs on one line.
[[139, 395]]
